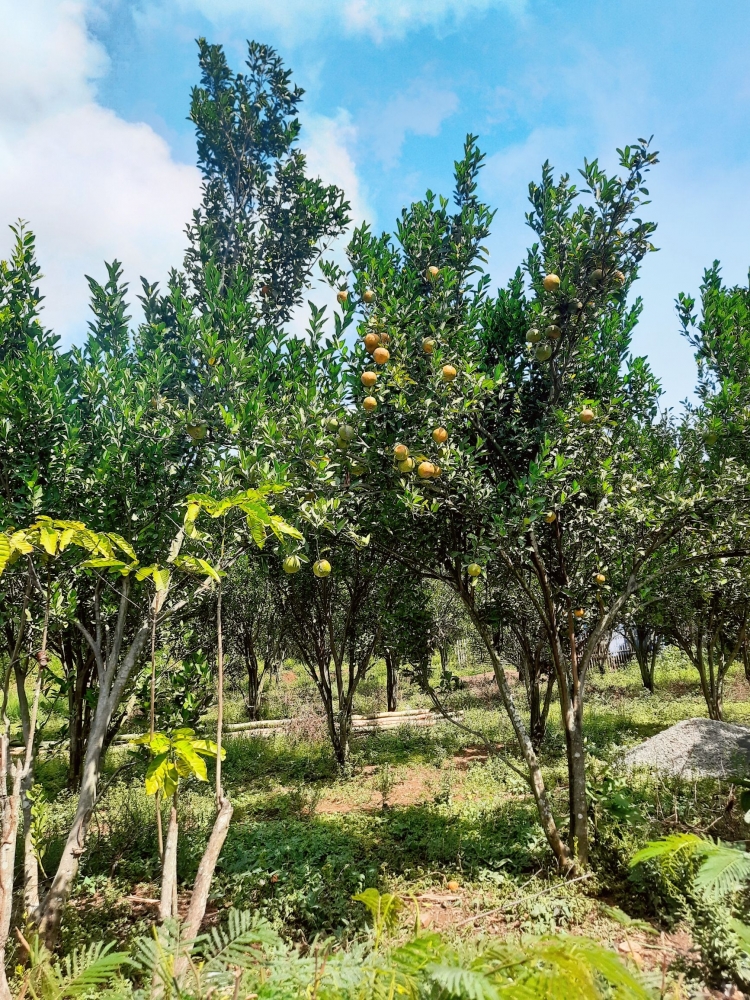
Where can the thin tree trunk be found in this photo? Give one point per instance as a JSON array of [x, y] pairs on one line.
[[169, 865], [391, 666], [536, 781], [51, 909], [10, 809]]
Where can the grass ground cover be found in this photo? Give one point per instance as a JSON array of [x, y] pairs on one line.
[[426, 813]]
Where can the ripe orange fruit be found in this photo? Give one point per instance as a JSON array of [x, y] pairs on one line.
[[426, 470], [533, 336], [449, 373], [600, 579], [380, 355], [428, 345], [370, 403], [368, 379], [371, 342], [322, 568], [400, 452], [342, 295], [437, 471], [579, 612], [474, 569], [452, 885], [432, 272], [407, 465], [550, 517], [551, 282], [368, 295], [586, 415], [553, 331], [291, 564], [440, 435], [619, 277]]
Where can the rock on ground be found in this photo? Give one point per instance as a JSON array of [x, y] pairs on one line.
[[696, 748]]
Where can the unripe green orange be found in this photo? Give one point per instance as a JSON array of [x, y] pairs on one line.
[[543, 352], [533, 336], [553, 331], [347, 432], [322, 568], [474, 569], [550, 517], [407, 465], [291, 564]]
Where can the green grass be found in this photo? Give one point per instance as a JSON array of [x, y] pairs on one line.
[[298, 863]]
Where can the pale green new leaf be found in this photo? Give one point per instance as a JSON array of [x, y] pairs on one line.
[[5, 551], [156, 774]]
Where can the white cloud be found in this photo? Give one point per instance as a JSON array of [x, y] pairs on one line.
[[421, 109], [300, 19], [91, 185], [328, 143]]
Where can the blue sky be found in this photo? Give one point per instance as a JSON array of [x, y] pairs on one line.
[[96, 150]]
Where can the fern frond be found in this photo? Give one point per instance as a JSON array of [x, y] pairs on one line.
[[724, 869], [668, 846], [468, 984], [243, 944]]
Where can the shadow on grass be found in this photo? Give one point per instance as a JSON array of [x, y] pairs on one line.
[[302, 873]]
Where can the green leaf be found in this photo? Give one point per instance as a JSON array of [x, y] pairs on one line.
[[156, 773], [5, 551]]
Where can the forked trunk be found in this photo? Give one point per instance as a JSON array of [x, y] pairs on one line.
[[49, 914]]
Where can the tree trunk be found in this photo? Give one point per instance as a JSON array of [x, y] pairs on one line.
[[577, 797], [536, 781], [10, 808], [50, 912], [169, 866], [202, 886], [391, 666]]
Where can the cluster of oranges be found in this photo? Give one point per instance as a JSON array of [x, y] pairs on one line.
[[376, 343]]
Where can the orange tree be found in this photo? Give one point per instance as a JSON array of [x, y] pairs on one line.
[[515, 438]]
